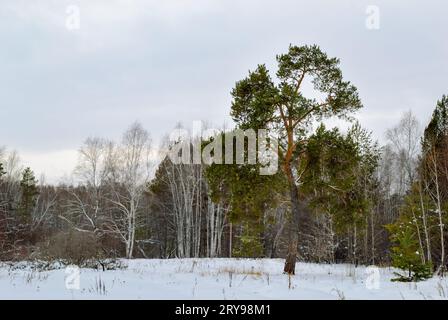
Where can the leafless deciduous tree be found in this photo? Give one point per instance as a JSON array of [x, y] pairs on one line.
[[133, 169], [405, 140], [113, 179]]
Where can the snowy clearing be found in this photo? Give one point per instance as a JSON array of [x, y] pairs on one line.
[[214, 279]]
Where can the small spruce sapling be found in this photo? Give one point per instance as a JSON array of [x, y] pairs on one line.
[[406, 254]]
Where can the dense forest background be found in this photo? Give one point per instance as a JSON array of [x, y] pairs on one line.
[[359, 202]]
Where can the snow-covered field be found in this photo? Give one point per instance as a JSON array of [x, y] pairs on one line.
[[214, 279]]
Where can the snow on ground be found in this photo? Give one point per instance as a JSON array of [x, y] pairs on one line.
[[215, 279]]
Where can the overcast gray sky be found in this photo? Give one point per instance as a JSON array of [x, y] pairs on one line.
[[163, 62]]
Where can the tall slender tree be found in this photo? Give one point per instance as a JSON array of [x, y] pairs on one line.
[[405, 138], [282, 106], [30, 191], [435, 168]]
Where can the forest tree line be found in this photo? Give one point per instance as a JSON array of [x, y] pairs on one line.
[[339, 196]]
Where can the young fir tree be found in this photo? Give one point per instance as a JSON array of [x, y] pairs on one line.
[[260, 102], [29, 189], [410, 236], [406, 253]]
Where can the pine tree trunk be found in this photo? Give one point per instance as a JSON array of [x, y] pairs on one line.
[[290, 263]]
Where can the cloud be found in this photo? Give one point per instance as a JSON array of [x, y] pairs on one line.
[[55, 166], [164, 62]]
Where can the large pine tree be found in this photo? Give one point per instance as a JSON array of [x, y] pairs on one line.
[[260, 102]]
